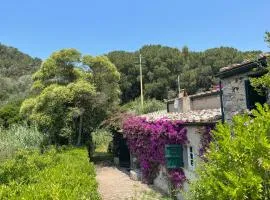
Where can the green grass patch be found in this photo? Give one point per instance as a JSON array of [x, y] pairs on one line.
[[62, 174]]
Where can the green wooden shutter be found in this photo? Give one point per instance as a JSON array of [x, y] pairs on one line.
[[174, 156]]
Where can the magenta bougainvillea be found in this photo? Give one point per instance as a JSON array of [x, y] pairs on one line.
[[147, 140], [177, 177], [206, 138]]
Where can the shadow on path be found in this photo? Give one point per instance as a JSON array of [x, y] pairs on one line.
[[102, 159]]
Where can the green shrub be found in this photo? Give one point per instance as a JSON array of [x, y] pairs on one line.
[[101, 139], [150, 105], [64, 174], [10, 114], [238, 161], [19, 137]]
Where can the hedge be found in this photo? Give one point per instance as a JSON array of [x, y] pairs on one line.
[[55, 174]]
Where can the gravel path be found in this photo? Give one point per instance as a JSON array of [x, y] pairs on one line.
[[115, 184]]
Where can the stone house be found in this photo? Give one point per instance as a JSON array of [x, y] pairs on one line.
[[205, 109], [198, 112], [237, 94]]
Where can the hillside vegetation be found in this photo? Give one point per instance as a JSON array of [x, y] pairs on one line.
[[16, 69], [161, 66]]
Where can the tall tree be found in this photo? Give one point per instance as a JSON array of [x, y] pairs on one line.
[[162, 65], [129, 83], [70, 95]]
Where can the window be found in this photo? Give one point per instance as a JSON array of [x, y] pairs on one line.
[[252, 96], [191, 158], [174, 156]]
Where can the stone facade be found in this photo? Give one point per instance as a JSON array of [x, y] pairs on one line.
[[207, 101], [235, 98], [200, 101], [234, 95]]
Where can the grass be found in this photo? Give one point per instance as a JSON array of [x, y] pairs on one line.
[[64, 174]]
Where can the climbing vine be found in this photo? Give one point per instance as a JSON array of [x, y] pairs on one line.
[[147, 140], [206, 138]]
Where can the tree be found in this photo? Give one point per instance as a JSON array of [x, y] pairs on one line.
[[162, 65], [105, 77], [238, 160], [129, 84], [70, 95], [263, 82], [267, 37]]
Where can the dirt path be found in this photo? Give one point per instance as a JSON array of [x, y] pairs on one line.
[[115, 184]]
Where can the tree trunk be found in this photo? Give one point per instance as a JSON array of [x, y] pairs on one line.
[[80, 132]]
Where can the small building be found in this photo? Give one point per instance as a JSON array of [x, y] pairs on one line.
[[238, 95], [198, 112]]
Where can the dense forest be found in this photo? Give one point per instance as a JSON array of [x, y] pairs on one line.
[[162, 65], [23, 76]]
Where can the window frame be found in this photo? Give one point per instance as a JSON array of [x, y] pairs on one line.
[[191, 160]]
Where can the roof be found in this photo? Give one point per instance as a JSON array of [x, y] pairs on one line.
[[206, 93], [197, 95], [193, 116], [244, 66]]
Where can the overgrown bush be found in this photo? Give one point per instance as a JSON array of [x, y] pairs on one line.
[[238, 160], [150, 105], [10, 114], [19, 137], [101, 139], [53, 175]]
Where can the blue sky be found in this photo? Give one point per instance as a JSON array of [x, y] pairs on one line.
[[39, 27]]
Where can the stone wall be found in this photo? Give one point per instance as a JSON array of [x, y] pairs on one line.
[[199, 101], [234, 95], [210, 101]]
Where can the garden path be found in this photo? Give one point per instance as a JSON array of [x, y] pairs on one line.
[[115, 184]]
